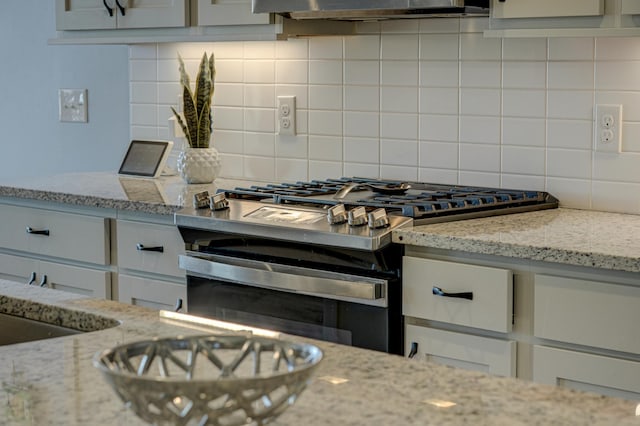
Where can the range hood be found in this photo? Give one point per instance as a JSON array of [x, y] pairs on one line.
[[357, 10]]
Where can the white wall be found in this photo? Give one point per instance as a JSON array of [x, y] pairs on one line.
[[33, 142], [424, 100]]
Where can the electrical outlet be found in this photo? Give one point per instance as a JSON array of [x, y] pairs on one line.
[[608, 131], [72, 105], [287, 115]]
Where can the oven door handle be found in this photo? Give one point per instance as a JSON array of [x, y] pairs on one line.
[[292, 279]]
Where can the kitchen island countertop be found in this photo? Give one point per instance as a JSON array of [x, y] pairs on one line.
[[53, 381], [608, 241]]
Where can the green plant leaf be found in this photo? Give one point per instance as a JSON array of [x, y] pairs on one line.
[[204, 128], [181, 122], [190, 115], [184, 77]]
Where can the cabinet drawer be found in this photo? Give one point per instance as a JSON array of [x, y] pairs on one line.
[[88, 282], [476, 353], [491, 289], [151, 293], [52, 233], [137, 242], [588, 313], [587, 372]]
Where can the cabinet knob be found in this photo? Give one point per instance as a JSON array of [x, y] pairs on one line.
[[109, 9], [30, 230], [32, 278], [463, 295], [141, 247]]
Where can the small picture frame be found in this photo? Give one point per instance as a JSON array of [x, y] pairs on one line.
[[145, 158]]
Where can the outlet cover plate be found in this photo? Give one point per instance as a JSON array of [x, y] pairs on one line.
[[72, 105], [608, 129]]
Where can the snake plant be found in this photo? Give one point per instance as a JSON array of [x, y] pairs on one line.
[[195, 119]]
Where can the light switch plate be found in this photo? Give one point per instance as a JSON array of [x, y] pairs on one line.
[[73, 105]]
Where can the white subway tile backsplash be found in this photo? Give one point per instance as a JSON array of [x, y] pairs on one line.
[[361, 124], [425, 100], [524, 75], [398, 152], [398, 47], [524, 49], [571, 49], [523, 131], [570, 75], [439, 74], [434, 100], [480, 74], [399, 73], [325, 97], [398, 126], [362, 47], [480, 101], [399, 99], [439, 47], [523, 103]]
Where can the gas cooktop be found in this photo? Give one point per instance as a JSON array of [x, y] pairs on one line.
[[424, 202]]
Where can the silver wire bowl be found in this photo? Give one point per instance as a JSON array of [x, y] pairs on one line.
[[209, 380]]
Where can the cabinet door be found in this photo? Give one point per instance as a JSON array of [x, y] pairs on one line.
[[85, 14], [89, 282], [476, 353], [151, 293], [228, 12], [546, 8], [587, 372], [15, 268], [154, 14], [630, 7]]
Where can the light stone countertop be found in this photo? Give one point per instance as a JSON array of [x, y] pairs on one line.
[[163, 195], [566, 236], [53, 381]]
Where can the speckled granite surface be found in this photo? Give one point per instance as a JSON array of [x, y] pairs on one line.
[[574, 237], [53, 381], [163, 195]]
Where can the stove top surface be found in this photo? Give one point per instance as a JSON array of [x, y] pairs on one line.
[[424, 202]]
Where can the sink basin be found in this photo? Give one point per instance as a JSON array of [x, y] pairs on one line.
[[15, 329]]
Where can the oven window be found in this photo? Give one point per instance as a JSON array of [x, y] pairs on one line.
[[319, 318]]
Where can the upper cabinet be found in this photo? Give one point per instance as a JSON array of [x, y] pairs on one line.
[[570, 18], [113, 14], [228, 12], [546, 8]]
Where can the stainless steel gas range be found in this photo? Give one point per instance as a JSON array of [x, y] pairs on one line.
[[316, 258]]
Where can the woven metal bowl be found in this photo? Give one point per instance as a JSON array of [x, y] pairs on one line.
[[209, 380]]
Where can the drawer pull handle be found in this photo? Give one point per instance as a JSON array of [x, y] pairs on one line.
[[30, 230], [414, 350], [464, 295], [43, 281], [141, 247], [178, 306], [32, 278]]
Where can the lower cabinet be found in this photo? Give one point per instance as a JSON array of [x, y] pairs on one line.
[[587, 372], [494, 356], [152, 293], [86, 281]]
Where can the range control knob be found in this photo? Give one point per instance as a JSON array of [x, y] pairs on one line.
[[378, 219], [357, 216], [218, 202], [337, 214]]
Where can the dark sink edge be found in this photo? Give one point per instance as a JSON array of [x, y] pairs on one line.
[[56, 315]]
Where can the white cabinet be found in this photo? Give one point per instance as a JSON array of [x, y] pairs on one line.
[[545, 8], [494, 356], [228, 12], [630, 7], [451, 308], [148, 264], [74, 279], [60, 250], [111, 14], [587, 372]]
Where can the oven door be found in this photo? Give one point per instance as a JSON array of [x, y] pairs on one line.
[[336, 307]]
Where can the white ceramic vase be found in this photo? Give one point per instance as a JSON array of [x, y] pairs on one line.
[[199, 165]]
